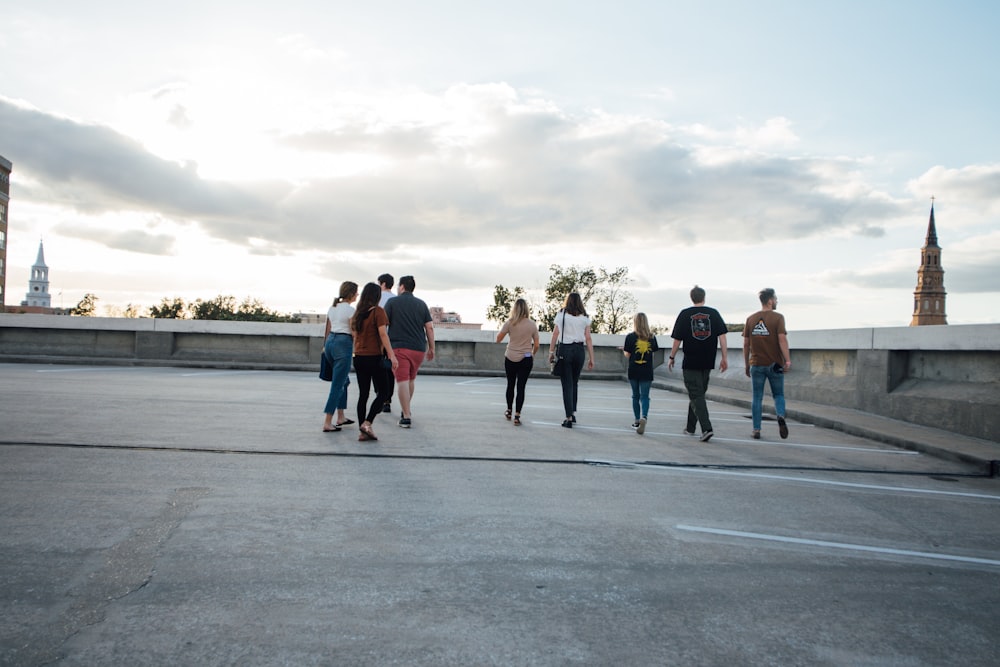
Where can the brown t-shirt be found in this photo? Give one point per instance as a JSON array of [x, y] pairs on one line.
[[367, 342], [762, 328], [522, 338]]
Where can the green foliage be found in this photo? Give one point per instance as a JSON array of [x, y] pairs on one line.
[[86, 307], [562, 281], [223, 307], [615, 305], [169, 310], [503, 301]]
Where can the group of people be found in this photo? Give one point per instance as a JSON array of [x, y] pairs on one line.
[[387, 336]]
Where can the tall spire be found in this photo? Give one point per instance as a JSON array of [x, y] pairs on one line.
[[931, 228], [40, 260]]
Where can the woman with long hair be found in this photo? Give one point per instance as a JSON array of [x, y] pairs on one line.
[[372, 351], [638, 349], [520, 355], [571, 331], [338, 349]]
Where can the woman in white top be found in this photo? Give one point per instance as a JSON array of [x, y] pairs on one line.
[[339, 349], [519, 358], [571, 331]]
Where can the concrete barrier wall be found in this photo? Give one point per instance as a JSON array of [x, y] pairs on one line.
[[942, 376]]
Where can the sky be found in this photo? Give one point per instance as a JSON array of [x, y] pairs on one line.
[[273, 150]]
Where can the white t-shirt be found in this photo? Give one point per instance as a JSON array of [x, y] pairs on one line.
[[573, 329], [340, 318], [386, 295]]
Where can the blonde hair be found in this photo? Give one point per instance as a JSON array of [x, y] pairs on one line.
[[519, 311], [348, 290], [642, 327]]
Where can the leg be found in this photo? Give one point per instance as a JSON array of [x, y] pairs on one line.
[[644, 397], [523, 371], [758, 374], [696, 383], [383, 387], [363, 372], [338, 350], [510, 369], [577, 369], [635, 399]]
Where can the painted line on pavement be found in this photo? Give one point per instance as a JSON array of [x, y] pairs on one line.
[[837, 545]]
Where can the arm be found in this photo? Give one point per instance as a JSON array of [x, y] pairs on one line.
[[746, 354], [429, 328], [552, 343], [503, 331], [783, 344], [535, 343], [383, 334], [673, 353], [590, 349], [724, 363], [326, 333]]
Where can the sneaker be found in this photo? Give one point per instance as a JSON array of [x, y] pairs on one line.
[[782, 428], [687, 432], [387, 407], [706, 436], [755, 435], [642, 426], [404, 422], [635, 424]]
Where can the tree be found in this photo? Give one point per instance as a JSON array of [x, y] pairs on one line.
[[131, 311], [503, 300], [562, 281], [615, 305], [224, 308], [86, 307], [170, 310]]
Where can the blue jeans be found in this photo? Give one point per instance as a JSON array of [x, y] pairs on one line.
[[339, 348], [777, 381], [640, 398]]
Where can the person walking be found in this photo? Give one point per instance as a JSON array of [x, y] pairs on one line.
[[766, 357], [571, 331], [519, 358], [702, 331], [338, 349], [411, 332], [638, 349], [385, 282], [372, 350]]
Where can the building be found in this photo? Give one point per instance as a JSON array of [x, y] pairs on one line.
[[449, 320], [928, 298], [38, 287], [5, 169]]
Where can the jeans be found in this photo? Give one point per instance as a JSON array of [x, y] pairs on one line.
[[696, 383], [517, 378], [640, 397], [777, 381], [339, 348], [573, 357]]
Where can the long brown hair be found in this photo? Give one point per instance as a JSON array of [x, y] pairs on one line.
[[574, 304], [641, 324], [519, 311], [369, 298]]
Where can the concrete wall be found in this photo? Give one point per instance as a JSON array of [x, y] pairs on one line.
[[942, 376]]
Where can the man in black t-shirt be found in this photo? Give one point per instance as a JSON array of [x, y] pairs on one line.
[[701, 329]]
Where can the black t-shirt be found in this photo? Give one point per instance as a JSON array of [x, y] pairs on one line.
[[640, 360], [698, 328]]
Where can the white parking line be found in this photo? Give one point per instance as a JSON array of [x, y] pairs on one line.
[[837, 545]]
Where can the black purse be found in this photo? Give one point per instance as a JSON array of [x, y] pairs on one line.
[[556, 365], [325, 369]]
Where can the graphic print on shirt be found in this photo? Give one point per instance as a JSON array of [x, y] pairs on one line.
[[643, 348], [701, 326], [760, 329]]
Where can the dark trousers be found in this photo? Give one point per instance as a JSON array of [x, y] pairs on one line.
[[370, 371], [517, 378], [390, 384], [696, 383], [573, 358]]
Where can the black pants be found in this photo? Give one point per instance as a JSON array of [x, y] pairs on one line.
[[370, 371], [573, 357], [517, 377]]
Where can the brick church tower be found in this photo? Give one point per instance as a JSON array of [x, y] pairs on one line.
[[928, 298]]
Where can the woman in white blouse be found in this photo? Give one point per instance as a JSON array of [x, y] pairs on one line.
[[572, 332]]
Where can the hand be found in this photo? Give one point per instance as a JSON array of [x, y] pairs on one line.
[[670, 364], [395, 363], [723, 365], [590, 364], [748, 370], [430, 354]]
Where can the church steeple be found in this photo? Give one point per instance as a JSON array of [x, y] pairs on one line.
[[929, 297], [38, 286]]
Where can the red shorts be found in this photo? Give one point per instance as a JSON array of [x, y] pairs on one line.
[[409, 364]]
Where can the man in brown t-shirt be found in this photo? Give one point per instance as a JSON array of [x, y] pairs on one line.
[[766, 357]]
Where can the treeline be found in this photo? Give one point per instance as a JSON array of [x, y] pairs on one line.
[[222, 307]]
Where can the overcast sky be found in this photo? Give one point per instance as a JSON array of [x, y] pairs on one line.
[[273, 150]]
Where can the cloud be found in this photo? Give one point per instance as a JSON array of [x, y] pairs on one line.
[[131, 240]]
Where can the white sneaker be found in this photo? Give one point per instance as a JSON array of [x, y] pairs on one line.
[[641, 428]]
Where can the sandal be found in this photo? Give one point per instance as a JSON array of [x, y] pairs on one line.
[[363, 436], [517, 420], [345, 422], [567, 423], [332, 429], [506, 413], [366, 429]]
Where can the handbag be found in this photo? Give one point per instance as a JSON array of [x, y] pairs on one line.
[[556, 364], [325, 369]]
